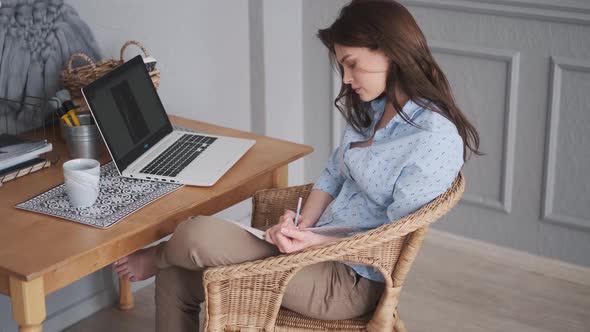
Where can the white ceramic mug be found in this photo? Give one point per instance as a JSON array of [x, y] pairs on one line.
[[82, 177]]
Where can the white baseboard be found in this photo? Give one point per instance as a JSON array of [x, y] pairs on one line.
[[513, 258]]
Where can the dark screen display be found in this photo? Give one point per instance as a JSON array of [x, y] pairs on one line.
[[128, 110]]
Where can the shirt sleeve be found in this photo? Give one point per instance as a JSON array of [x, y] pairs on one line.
[[438, 161], [331, 180]]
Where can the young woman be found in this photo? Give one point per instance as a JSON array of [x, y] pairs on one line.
[[404, 144]]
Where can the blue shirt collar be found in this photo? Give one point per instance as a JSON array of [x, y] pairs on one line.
[[378, 106]]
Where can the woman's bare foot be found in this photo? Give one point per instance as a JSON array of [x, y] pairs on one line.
[[138, 266]]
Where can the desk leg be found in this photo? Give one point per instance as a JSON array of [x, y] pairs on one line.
[[126, 301], [28, 304], [281, 177]]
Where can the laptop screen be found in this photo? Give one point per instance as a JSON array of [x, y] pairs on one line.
[[128, 111]]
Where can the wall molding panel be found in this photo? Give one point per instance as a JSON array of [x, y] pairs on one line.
[[543, 10], [512, 59], [534, 202], [558, 65]]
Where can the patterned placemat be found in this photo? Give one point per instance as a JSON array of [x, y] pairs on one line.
[[118, 198]]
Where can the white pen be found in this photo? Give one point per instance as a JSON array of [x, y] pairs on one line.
[[297, 214]]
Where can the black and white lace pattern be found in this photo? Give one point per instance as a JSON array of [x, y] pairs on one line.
[[118, 198]]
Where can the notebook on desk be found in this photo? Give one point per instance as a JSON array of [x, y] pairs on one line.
[[139, 136]]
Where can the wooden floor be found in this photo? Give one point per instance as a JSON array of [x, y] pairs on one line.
[[447, 290]]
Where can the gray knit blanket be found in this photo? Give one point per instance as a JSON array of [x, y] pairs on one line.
[[36, 39]]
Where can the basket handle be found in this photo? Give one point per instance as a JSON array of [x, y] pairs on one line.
[[80, 55], [132, 42]]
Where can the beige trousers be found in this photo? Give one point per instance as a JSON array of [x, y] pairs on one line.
[[329, 290]]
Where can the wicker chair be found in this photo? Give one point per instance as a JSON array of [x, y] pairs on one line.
[[247, 296]]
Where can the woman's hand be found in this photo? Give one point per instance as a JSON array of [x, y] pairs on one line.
[[293, 239], [288, 238], [285, 221]]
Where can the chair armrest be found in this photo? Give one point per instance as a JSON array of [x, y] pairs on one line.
[[346, 248], [250, 293]]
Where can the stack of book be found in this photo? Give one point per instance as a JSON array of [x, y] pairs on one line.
[[20, 156]]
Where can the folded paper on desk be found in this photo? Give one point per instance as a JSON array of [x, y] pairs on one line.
[[15, 150], [334, 231]]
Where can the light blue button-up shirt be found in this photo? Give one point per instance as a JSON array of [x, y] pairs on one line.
[[405, 168]]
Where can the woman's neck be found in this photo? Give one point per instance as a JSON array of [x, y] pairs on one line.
[[388, 113]]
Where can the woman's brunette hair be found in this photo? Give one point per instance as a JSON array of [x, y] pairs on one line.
[[389, 27]]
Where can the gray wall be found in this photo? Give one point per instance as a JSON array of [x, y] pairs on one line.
[[520, 70], [317, 87], [283, 75], [202, 48]]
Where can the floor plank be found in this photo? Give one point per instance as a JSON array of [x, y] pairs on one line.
[[446, 290]]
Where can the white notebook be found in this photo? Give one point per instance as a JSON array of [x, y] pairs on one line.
[[335, 231]]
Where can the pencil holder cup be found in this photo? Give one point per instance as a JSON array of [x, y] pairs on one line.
[[83, 141]]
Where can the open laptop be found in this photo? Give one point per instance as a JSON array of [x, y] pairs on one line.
[[140, 138]]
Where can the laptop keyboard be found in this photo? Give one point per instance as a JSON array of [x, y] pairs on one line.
[[178, 155]]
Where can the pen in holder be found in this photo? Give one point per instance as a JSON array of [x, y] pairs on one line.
[[83, 141]]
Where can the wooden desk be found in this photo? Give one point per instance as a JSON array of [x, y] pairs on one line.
[[41, 254]]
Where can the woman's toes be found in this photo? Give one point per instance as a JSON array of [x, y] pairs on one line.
[[122, 260], [120, 268], [122, 273], [138, 266]]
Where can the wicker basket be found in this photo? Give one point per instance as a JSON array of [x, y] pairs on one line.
[[74, 79]]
